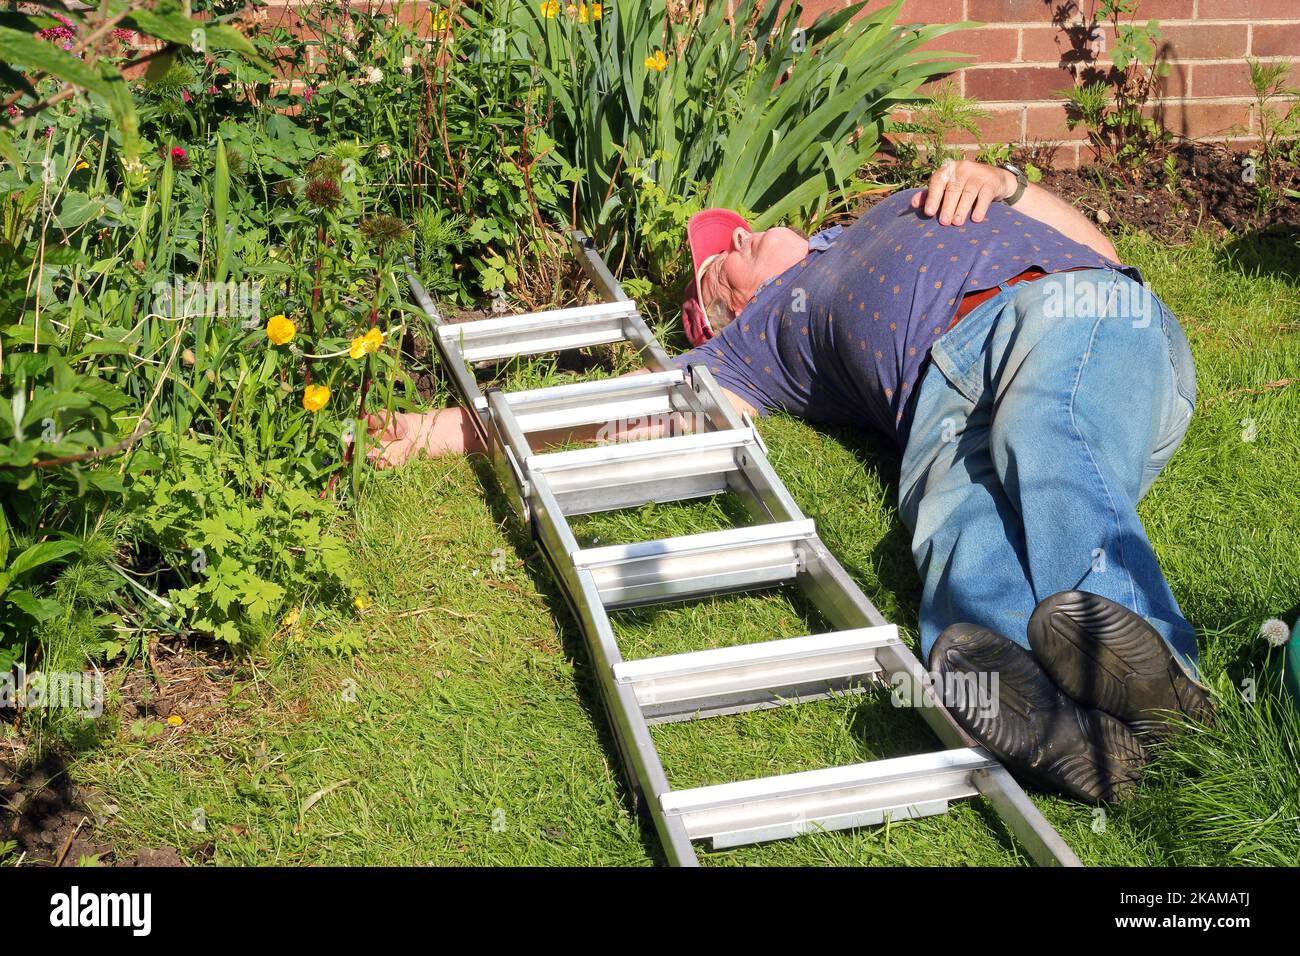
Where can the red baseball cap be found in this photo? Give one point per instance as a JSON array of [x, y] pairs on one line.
[[708, 233]]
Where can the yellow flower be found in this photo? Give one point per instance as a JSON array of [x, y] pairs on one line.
[[175, 720], [440, 18], [362, 602], [596, 10], [280, 330], [83, 165], [315, 397], [550, 8], [367, 344], [658, 62]]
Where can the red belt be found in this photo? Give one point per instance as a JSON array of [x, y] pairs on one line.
[[972, 299]]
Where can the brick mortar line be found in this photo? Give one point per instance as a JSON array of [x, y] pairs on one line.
[[1239, 138], [1225, 22], [1244, 137], [1078, 146], [1180, 62], [1035, 25], [1221, 100]]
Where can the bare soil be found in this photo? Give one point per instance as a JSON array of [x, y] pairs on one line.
[[54, 822], [1205, 187]]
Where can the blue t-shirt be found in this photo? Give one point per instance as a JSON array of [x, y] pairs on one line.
[[842, 336]]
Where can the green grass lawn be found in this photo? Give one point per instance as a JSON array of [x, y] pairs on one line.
[[470, 730]]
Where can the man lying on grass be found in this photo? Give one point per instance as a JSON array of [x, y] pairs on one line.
[[1036, 390]]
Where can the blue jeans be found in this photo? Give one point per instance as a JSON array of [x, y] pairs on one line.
[[1043, 418]]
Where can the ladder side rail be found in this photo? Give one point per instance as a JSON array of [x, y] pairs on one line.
[[628, 723], [758, 485], [463, 382], [839, 598], [589, 258], [641, 758], [637, 332], [510, 451], [1036, 834], [716, 405]]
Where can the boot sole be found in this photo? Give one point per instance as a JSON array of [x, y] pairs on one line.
[[1107, 657], [1038, 732]]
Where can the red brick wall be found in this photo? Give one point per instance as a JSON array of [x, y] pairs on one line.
[[1022, 57]]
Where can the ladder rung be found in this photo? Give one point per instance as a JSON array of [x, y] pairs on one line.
[[864, 794], [534, 332], [584, 403], [714, 562], [581, 460], [630, 474], [730, 679]]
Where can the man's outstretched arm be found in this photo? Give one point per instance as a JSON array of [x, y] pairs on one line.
[[961, 190], [449, 431]]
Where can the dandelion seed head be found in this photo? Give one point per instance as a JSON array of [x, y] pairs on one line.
[[1275, 631]]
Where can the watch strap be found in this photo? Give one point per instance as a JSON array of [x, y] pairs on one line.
[[1022, 181]]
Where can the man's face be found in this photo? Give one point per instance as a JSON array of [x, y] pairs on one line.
[[752, 258]]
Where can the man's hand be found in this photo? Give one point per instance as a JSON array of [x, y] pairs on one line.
[[961, 189], [407, 435]]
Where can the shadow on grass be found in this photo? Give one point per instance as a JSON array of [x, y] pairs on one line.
[[1271, 252], [891, 557]]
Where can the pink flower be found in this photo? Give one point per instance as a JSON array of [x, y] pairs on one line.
[[212, 91], [49, 131], [307, 94], [12, 110], [178, 152], [185, 95], [63, 34]]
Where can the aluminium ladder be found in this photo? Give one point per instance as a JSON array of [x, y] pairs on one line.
[[781, 548]]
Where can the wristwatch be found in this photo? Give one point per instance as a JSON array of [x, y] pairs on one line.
[[1021, 179]]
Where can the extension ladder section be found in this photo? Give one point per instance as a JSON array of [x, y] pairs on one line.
[[722, 453]]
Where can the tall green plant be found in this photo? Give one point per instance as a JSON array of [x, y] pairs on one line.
[[1278, 130], [753, 112], [1111, 106]]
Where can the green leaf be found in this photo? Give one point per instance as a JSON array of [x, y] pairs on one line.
[[217, 532], [262, 597], [221, 207], [7, 151], [41, 609], [77, 209], [42, 553]]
